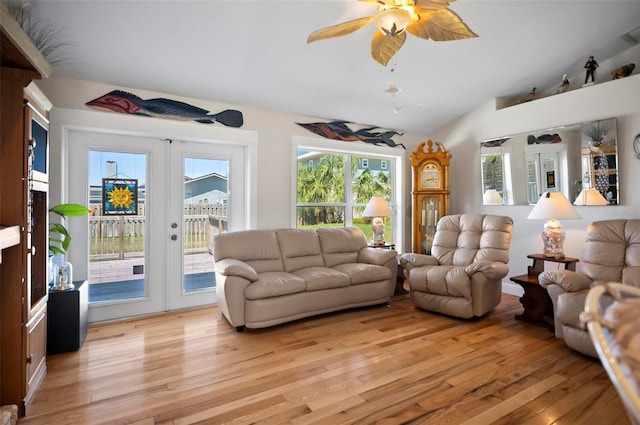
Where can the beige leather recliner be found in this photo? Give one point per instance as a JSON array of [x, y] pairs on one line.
[[463, 275], [611, 254]]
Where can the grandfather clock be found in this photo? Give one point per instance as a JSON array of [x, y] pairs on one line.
[[430, 193]]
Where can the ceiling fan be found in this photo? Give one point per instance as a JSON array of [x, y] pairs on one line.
[[428, 19]]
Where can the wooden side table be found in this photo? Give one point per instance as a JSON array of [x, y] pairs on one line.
[[538, 308], [67, 319]]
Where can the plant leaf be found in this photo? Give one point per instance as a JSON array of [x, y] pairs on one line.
[[339, 30], [383, 47], [440, 25], [70, 210]]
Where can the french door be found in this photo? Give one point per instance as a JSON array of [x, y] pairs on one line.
[[156, 204]]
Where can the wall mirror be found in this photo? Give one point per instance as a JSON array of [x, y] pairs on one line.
[[517, 169]]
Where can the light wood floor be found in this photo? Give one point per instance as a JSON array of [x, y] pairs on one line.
[[380, 365]]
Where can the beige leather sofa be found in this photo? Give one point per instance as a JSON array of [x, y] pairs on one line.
[[463, 275], [267, 277], [611, 254]]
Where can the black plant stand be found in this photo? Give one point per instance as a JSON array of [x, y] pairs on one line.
[[67, 319]]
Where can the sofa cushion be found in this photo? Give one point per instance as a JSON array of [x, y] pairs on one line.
[[274, 284], [257, 248], [300, 249], [317, 278], [341, 244], [364, 273]]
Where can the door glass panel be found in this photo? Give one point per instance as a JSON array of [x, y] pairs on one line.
[[206, 196], [117, 222]]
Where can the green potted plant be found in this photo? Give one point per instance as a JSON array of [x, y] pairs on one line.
[[60, 271], [60, 244]]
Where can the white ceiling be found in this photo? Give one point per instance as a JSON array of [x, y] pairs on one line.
[[254, 53]]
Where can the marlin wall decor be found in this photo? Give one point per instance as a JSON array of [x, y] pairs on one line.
[[338, 130], [127, 103]]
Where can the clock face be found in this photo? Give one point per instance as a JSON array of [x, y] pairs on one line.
[[430, 176]]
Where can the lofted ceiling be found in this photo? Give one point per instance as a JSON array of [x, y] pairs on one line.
[[254, 54]]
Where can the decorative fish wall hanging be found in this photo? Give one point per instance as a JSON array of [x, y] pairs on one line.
[[127, 103], [338, 130]]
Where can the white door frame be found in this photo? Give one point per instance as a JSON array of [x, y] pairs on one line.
[[65, 121]]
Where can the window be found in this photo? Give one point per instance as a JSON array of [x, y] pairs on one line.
[[334, 191]]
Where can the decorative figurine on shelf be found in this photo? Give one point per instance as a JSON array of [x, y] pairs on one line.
[[529, 97], [562, 87], [623, 71], [590, 66]]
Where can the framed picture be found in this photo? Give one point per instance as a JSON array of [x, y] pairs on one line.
[[120, 196]]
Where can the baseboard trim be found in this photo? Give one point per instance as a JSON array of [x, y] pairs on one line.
[[512, 289]]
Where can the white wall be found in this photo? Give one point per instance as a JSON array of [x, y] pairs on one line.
[[618, 98], [274, 131]]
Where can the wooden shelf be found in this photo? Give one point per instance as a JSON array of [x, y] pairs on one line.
[[9, 236]]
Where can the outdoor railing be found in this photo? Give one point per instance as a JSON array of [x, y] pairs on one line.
[[121, 237]]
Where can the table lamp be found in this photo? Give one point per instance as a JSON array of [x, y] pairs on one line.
[[590, 196], [553, 206], [491, 197], [377, 208]]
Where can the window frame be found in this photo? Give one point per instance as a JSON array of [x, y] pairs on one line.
[[396, 166]]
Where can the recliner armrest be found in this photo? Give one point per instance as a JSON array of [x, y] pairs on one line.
[[412, 260], [233, 267], [568, 280], [491, 269]]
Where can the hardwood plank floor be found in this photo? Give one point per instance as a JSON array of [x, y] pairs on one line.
[[379, 365]]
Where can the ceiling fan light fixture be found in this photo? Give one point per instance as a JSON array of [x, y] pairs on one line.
[[392, 21]]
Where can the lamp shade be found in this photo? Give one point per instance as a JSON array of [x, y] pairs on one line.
[[590, 197], [492, 197], [377, 207], [553, 205], [392, 21]]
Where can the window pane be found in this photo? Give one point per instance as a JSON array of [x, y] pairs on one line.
[[369, 181], [117, 242], [312, 217], [206, 196], [320, 177]]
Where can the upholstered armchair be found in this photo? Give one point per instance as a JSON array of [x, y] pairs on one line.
[[611, 254], [463, 275]]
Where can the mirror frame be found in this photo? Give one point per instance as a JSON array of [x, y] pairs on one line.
[[564, 159]]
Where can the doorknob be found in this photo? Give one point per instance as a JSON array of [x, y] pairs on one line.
[[174, 237]]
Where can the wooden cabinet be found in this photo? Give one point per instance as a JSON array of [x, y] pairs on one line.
[[23, 207], [430, 193]]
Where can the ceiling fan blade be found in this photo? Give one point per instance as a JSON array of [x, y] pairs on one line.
[[383, 47], [339, 29], [431, 4], [392, 3], [440, 25]]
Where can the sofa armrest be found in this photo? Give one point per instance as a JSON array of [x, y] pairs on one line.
[[233, 267], [412, 260], [491, 269], [568, 280], [375, 256]]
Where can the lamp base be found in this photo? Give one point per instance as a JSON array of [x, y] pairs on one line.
[[552, 239], [378, 231]]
